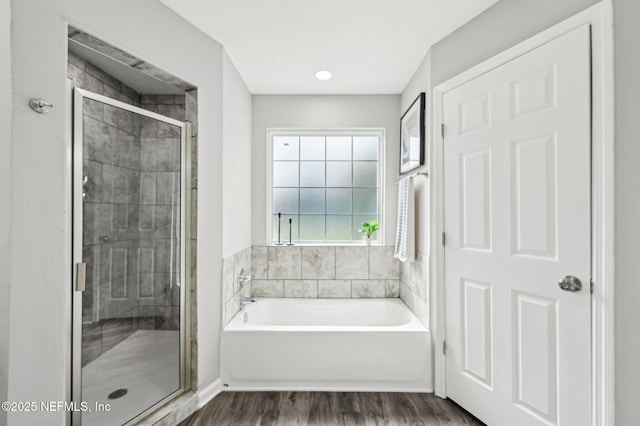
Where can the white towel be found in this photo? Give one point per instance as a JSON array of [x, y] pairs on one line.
[[405, 231]]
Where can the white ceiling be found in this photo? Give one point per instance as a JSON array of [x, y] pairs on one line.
[[371, 46]]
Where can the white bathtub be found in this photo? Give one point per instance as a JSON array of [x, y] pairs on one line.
[[326, 344]]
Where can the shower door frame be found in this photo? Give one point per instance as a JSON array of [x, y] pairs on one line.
[[79, 95]]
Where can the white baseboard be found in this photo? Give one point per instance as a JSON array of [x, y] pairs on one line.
[[324, 389], [209, 392]]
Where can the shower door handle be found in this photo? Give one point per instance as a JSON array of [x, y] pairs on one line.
[[81, 276]]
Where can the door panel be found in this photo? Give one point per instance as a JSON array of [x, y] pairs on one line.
[[533, 93], [517, 219], [533, 201], [476, 331], [536, 355], [475, 193], [475, 114]]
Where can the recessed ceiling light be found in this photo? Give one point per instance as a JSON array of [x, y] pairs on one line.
[[323, 75]]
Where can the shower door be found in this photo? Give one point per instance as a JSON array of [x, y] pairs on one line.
[[130, 300]]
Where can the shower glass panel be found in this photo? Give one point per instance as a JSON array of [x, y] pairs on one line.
[[129, 210]]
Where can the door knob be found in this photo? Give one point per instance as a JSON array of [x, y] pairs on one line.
[[570, 283]]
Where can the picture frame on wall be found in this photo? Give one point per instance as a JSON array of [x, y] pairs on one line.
[[412, 136]]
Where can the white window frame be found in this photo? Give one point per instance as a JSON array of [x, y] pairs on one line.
[[369, 131]]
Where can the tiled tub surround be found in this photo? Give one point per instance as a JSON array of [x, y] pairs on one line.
[[325, 272], [231, 267], [414, 287], [130, 195]]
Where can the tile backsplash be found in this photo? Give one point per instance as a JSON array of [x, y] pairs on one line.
[[231, 266], [325, 272], [414, 287]]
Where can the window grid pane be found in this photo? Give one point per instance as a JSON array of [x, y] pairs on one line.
[[327, 186], [312, 148], [312, 174]]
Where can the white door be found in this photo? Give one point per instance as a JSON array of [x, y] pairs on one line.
[[517, 220]]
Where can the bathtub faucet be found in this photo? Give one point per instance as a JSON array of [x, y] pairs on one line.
[[243, 279], [247, 300]]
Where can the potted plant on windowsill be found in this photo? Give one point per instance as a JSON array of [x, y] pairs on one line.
[[368, 228]]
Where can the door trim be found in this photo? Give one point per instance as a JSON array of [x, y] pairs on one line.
[[600, 18]]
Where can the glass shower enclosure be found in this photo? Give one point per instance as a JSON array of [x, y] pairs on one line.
[[130, 326]]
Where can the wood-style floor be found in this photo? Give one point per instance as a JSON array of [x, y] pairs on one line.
[[329, 408]]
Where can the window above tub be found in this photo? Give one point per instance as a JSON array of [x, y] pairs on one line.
[[324, 184]]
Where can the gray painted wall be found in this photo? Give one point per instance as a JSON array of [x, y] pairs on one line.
[[5, 194], [503, 25], [421, 82], [627, 205], [40, 299], [236, 160], [415, 288], [324, 112]]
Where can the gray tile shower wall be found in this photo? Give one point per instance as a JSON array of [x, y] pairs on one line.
[[231, 292], [125, 58], [111, 206], [133, 189], [414, 287], [159, 211], [325, 272], [191, 114]]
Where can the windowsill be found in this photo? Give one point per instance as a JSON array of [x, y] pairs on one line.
[[325, 244]]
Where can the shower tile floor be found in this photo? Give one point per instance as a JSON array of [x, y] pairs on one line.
[[145, 363]]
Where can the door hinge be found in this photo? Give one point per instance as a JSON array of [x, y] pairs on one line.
[[442, 130], [591, 286], [444, 347], [444, 239]]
